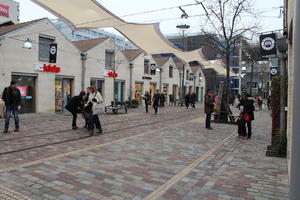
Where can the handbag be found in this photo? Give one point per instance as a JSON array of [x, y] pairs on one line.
[[98, 108]]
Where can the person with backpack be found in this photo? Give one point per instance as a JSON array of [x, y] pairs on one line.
[[12, 98], [76, 106]]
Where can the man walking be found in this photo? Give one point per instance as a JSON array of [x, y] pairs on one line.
[[208, 108], [12, 98], [155, 100]]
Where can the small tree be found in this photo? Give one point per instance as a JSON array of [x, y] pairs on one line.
[[230, 21]]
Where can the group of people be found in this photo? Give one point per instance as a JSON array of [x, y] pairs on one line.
[[190, 99], [156, 101], [84, 103]]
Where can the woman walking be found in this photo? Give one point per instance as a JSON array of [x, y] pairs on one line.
[[94, 98], [75, 106], [147, 99], [187, 100]]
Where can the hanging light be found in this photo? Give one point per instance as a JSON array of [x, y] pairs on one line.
[[27, 44]]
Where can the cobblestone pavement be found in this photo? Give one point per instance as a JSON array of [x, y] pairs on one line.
[[168, 156]]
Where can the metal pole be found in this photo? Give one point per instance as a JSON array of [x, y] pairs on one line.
[[240, 61], [295, 139], [130, 84], [182, 95], [283, 95], [251, 77], [160, 84], [83, 62]]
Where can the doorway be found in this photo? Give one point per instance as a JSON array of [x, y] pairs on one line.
[[63, 93]]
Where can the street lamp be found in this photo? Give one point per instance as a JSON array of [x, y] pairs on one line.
[[183, 28], [27, 44], [159, 69]]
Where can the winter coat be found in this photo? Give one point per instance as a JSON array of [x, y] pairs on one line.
[[193, 98], [209, 104], [75, 105], [147, 99], [11, 96], [187, 99], [94, 98], [156, 99]]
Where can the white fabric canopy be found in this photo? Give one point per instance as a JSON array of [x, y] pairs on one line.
[[219, 67], [91, 14]]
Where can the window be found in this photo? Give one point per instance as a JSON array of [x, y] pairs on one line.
[[170, 71], [187, 74], [44, 46], [146, 66], [109, 59]]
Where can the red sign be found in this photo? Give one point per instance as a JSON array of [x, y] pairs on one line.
[[51, 68], [4, 10], [112, 74], [23, 91]]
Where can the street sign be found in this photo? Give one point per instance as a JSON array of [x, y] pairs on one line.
[[153, 69]]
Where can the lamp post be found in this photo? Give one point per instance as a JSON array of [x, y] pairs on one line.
[[183, 28], [130, 84]]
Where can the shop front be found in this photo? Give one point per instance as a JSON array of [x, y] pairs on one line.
[[63, 92], [166, 91], [174, 93], [26, 83], [119, 90], [138, 91]]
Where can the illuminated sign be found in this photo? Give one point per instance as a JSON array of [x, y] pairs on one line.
[[111, 74]]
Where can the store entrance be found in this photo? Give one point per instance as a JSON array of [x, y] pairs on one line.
[[152, 89], [26, 85], [63, 93]]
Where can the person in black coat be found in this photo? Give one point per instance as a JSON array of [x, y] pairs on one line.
[[187, 100], [193, 99], [12, 98], [162, 100], [155, 101], [147, 99], [75, 106]]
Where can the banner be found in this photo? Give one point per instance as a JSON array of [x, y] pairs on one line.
[[268, 45], [53, 53], [4, 10]]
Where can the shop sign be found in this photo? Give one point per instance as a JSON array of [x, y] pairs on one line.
[[52, 53], [111, 74], [4, 10], [47, 68], [268, 45], [147, 78]]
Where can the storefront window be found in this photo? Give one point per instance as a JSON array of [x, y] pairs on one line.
[[138, 91], [119, 90], [26, 85], [63, 93], [152, 89], [98, 84]]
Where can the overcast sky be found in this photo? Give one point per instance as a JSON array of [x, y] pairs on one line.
[[270, 19]]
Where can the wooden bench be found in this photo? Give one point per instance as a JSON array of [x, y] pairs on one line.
[[116, 106]]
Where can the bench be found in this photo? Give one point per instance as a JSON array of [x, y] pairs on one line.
[[116, 106]]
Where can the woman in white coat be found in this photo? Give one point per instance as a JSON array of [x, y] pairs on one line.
[[94, 97]]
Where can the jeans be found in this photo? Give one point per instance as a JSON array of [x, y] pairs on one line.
[[14, 110], [155, 106], [94, 121], [208, 119], [74, 119], [146, 105], [249, 129]]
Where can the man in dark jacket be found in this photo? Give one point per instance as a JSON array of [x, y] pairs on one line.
[[187, 100], [208, 108], [162, 100], [12, 98], [193, 99], [76, 106], [155, 100]]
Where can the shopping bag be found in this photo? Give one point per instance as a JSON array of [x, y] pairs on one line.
[[98, 109]]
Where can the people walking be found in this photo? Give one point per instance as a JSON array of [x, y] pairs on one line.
[[147, 99], [12, 98], [208, 108], [193, 99], [76, 106], [187, 100], [94, 97], [155, 101]]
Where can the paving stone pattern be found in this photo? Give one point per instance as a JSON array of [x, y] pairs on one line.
[[134, 162]]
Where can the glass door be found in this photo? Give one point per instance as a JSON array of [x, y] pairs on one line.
[[58, 95], [63, 94]]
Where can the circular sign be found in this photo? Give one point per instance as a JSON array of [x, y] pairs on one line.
[[268, 43], [53, 50], [273, 71]]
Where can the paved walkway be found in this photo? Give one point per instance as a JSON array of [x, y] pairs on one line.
[[166, 156]]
